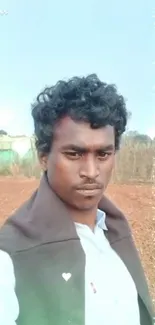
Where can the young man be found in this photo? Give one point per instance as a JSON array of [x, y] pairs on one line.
[[68, 251]]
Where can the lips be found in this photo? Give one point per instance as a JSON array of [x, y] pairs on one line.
[[90, 187], [89, 190]]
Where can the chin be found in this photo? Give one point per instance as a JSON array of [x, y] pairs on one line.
[[87, 204]]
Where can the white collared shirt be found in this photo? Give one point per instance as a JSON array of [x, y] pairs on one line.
[[110, 293], [9, 308]]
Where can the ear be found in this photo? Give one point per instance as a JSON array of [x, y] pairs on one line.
[[43, 161]]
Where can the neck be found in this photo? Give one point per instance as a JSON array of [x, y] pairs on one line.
[[86, 217]]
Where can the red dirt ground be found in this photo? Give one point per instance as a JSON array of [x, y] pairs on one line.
[[136, 201]]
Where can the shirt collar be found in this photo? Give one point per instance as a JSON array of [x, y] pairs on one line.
[[100, 220]]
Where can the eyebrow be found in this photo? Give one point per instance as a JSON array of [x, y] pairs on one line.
[[73, 147]]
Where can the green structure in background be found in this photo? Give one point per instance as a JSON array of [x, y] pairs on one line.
[[18, 156], [7, 156]]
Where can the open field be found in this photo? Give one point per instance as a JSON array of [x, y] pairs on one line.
[[135, 200]]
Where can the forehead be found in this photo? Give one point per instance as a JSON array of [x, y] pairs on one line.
[[69, 132]]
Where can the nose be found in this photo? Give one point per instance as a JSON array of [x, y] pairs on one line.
[[89, 168]]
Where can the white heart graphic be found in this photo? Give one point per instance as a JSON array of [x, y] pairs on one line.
[[66, 276]]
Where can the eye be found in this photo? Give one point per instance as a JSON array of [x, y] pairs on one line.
[[73, 155], [103, 155]]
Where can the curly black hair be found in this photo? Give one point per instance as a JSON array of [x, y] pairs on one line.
[[85, 99]]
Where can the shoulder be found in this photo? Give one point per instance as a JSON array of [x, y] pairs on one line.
[[6, 269], [9, 306]]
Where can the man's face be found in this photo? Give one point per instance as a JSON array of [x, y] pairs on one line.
[[80, 163]]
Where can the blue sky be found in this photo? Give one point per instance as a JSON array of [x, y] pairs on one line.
[[42, 42]]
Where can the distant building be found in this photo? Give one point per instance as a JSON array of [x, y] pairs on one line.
[[13, 148]]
